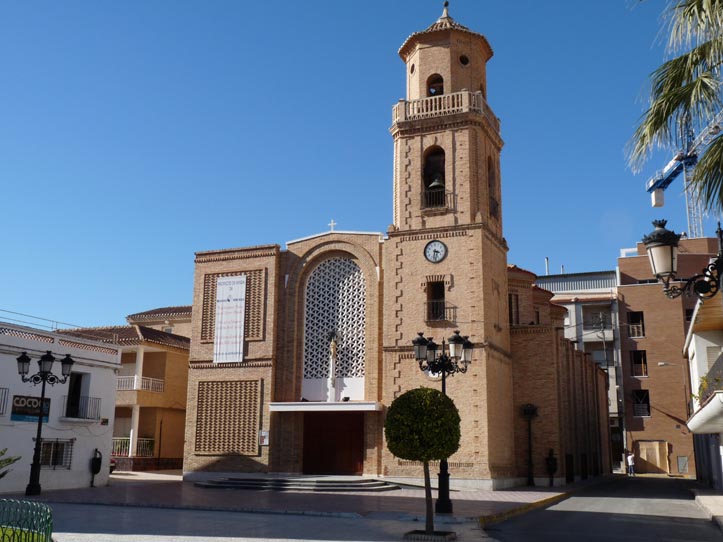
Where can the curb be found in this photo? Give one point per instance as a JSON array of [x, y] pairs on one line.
[[486, 521]]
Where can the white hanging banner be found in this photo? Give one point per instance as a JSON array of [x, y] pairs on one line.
[[230, 309]]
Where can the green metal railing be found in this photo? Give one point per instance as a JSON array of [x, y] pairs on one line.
[[25, 521]]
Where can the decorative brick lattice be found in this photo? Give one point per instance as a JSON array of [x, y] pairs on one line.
[[227, 419], [91, 347], [254, 320], [335, 302], [25, 335]]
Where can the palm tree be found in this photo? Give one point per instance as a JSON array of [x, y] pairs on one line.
[[686, 90]]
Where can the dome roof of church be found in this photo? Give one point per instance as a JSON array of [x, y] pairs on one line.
[[445, 22]]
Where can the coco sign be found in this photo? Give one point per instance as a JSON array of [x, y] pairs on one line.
[[27, 409]]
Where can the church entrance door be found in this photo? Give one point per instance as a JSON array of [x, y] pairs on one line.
[[333, 442]]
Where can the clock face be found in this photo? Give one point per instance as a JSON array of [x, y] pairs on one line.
[[435, 251]]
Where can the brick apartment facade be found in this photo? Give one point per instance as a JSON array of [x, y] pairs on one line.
[[297, 404], [656, 380]]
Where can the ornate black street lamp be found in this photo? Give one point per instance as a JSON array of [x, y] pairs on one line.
[[459, 357], [43, 376], [529, 411], [662, 247]]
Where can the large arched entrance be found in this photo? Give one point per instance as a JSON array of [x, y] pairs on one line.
[[334, 367]]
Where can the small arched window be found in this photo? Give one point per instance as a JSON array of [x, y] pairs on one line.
[[435, 85], [492, 188], [433, 178]]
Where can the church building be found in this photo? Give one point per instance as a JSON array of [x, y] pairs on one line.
[[296, 353]]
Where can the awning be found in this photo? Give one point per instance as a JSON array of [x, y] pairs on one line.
[[314, 406], [709, 418]]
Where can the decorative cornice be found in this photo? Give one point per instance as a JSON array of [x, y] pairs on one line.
[[393, 349], [410, 349], [447, 232], [263, 251], [531, 330], [493, 236], [436, 233], [411, 128], [495, 348], [242, 365]]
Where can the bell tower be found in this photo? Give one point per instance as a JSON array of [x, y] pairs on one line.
[[446, 138], [445, 262]]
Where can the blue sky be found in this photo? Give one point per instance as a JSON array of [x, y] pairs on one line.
[[133, 134]]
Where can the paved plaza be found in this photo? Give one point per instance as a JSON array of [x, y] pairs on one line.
[[162, 508], [81, 523], [169, 491]]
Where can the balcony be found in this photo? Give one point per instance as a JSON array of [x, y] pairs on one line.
[[437, 199], [81, 407], [132, 383], [122, 446], [446, 104], [440, 311], [596, 324]]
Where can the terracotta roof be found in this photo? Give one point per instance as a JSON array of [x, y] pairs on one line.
[[514, 268], [545, 290], [445, 22], [156, 314], [161, 337], [129, 336]]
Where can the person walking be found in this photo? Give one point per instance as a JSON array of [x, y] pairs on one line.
[[630, 459]]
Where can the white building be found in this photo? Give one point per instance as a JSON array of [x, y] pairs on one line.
[[79, 413], [704, 350]]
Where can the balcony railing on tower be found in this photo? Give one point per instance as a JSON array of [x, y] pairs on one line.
[[441, 311], [446, 104], [436, 198]]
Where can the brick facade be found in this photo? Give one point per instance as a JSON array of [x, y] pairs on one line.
[[512, 364], [661, 438]]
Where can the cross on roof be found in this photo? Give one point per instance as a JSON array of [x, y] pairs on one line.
[[332, 224]]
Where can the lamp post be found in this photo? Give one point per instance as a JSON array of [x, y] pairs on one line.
[[43, 376], [459, 357], [662, 247], [529, 411]]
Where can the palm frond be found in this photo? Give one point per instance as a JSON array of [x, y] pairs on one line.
[[681, 70], [693, 22], [707, 178], [695, 102]]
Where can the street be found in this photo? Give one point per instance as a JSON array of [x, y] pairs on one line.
[[619, 508], [93, 523], [639, 508]]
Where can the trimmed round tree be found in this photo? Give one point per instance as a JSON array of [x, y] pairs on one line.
[[423, 425]]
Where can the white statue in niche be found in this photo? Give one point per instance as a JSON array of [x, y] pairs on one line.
[[331, 382]]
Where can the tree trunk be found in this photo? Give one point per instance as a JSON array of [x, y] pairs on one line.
[[429, 525]]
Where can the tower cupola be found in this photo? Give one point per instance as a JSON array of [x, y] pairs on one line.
[[445, 58]]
